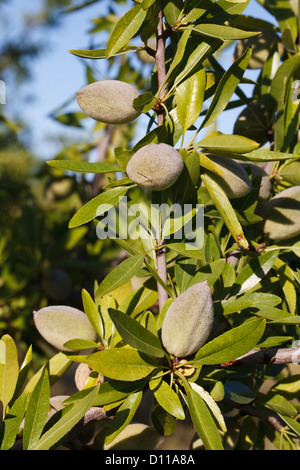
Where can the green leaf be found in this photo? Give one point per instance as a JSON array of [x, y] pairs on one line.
[[79, 344], [57, 366], [290, 68], [193, 57], [9, 428], [167, 397], [135, 334], [145, 4], [185, 249], [123, 416], [255, 299], [68, 420], [100, 53], [280, 404], [232, 343], [209, 272], [172, 9], [120, 363], [125, 29], [292, 423], [203, 421], [189, 98], [116, 390], [84, 167], [144, 102], [228, 143], [120, 275], [238, 392], [37, 411], [92, 312], [228, 214], [226, 88], [284, 14], [93, 208], [196, 8], [9, 370], [179, 53], [222, 32], [210, 402], [254, 272]]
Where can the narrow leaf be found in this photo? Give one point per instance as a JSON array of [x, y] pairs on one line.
[[120, 275], [167, 398], [203, 421], [84, 167], [189, 97], [226, 88], [226, 210], [123, 416], [9, 428], [125, 29], [9, 370], [120, 363], [92, 312], [212, 405], [228, 143], [68, 420], [254, 272], [37, 411], [223, 32], [232, 344], [135, 334], [98, 205]]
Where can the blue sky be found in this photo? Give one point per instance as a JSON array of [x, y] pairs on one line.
[[57, 74]]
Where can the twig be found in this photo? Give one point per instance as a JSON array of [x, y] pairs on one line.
[[161, 264], [160, 63], [267, 356], [259, 413]]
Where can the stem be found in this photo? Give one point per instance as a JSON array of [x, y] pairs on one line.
[[161, 263], [102, 151]]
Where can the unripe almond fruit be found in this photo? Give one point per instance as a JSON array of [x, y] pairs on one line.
[[235, 181], [265, 184], [109, 101], [59, 324], [155, 166], [188, 321], [282, 214]]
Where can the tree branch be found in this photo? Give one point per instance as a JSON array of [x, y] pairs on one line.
[[267, 356], [259, 413], [161, 264]]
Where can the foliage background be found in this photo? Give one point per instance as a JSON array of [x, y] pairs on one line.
[[42, 263]]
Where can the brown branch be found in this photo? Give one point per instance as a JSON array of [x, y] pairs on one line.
[[161, 264], [259, 413], [267, 356], [160, 63]]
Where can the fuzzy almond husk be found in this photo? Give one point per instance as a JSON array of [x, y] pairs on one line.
[[155, 166], [235, 181], [282, 214], [188, 321], [109, 101], [59, 323]]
